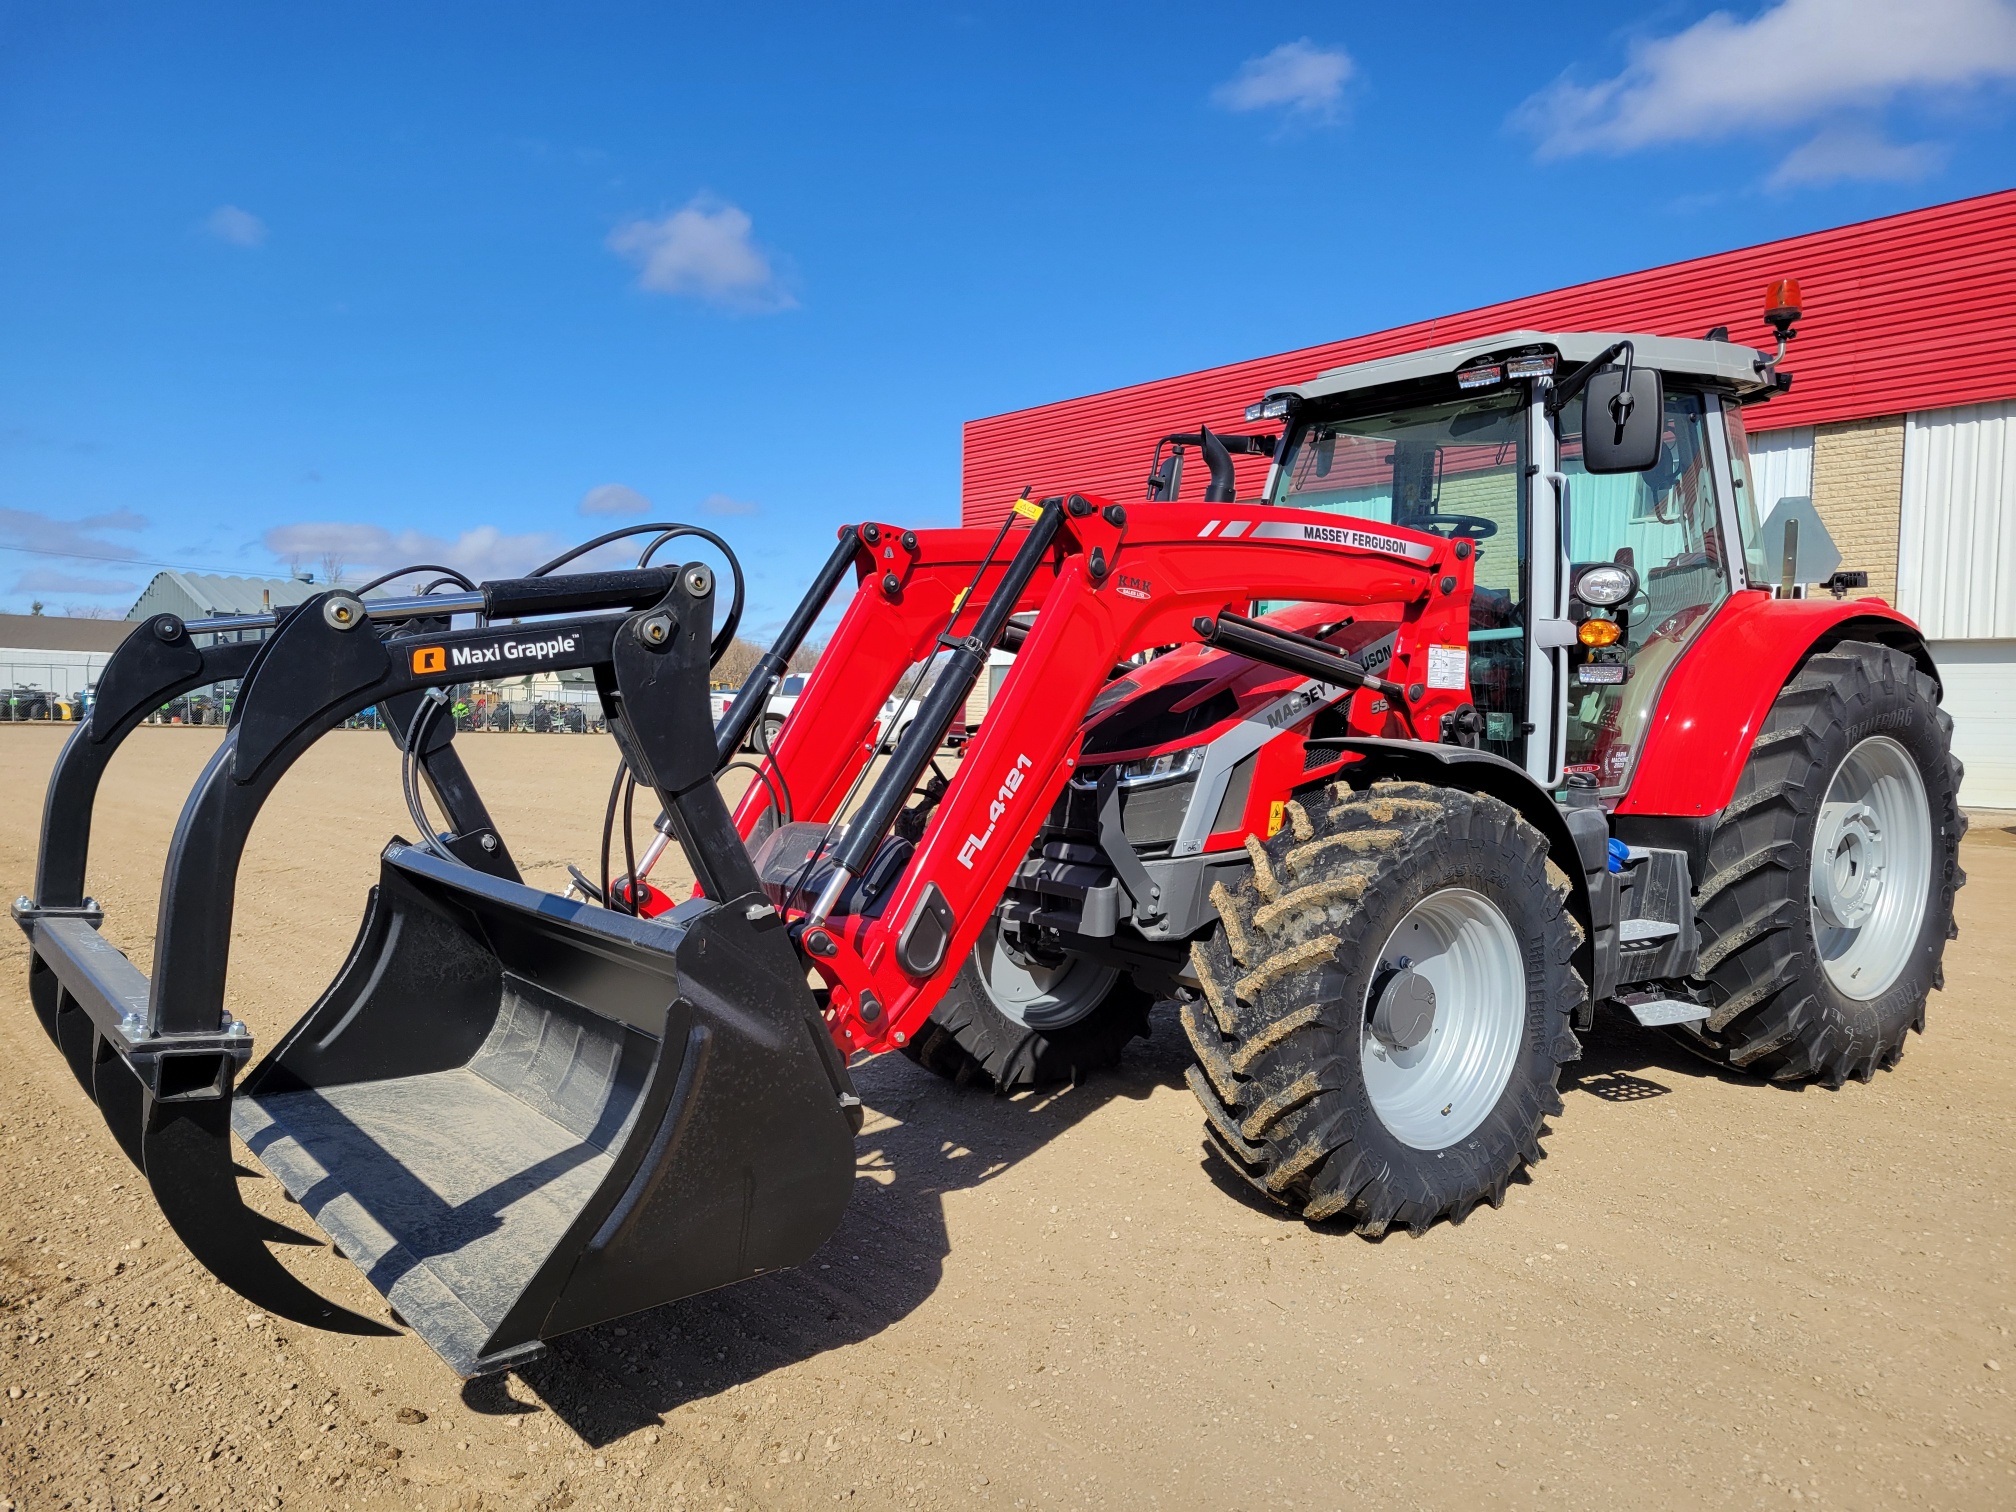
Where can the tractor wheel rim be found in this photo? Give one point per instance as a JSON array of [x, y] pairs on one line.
[[1437, 1092], [1041, 998], [1870, 873]]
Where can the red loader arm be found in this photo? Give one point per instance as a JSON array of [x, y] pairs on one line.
[[1111, 582]]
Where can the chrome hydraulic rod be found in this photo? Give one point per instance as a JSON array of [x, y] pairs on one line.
[[927, 731]]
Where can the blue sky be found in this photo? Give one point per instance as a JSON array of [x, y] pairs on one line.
[[383, 283]]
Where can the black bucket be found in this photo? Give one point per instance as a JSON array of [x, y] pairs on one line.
[[520, 1115]]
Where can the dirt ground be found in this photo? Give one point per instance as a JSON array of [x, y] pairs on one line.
[[1712, 1293]]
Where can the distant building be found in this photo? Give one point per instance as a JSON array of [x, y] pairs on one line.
[[204, 595], [55, 654]]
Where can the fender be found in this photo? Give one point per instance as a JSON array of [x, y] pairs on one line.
[[1736, 667]]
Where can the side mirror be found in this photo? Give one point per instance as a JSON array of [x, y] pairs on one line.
[[1623, 420]]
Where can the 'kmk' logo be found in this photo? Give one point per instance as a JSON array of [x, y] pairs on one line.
[[428, 659]]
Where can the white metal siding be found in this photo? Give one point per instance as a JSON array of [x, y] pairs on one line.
[[1980, 681], [1956, 559], [1781, 466]]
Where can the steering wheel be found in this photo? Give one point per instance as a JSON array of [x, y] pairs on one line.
[[1463, 526]]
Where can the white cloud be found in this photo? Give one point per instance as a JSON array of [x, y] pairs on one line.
[[703, 251], [82, 540], [241, 228], [1298, 77], [721, 504], [54, 580], [614, 499], [1798, 63], [483, 552], [1856, 152]]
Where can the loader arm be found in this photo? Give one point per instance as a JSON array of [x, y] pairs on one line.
[[1110, 582], [912, 586]]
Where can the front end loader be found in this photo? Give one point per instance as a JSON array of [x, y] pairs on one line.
[[1482, 716]]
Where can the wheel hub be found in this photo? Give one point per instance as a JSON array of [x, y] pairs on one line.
[[1847, 864], [1404, 1015], [1870, 871], [1443, 1030]]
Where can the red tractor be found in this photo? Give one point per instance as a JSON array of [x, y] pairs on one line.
[[1493, 709]]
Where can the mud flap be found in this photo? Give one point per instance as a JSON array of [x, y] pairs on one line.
[[520, 1115]]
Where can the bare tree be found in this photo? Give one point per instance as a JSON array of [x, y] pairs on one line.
[[332, 567], [737, 662], [807, 656]]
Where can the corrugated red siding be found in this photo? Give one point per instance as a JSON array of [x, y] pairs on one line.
[[1914, 311]]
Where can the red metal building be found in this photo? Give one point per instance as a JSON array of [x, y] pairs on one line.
[[1900, 427], [1910, 312]]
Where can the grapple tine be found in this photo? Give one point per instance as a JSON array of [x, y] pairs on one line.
[[122, 1099], [77, 1039], [187, 1147], [43, 989]]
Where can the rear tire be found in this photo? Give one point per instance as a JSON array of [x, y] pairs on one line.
[[765, 734], [1003, 1027], [1313, 1090], [1819, 972]]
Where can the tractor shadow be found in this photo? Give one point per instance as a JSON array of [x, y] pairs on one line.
[[923, 1138], [1623, 1062]]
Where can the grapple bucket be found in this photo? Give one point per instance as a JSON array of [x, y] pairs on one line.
[[517, 1114]]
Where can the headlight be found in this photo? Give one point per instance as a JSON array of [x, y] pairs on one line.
[[1165, 768], [1606, 584]]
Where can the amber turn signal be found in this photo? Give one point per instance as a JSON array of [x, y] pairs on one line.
[[1598, 632]]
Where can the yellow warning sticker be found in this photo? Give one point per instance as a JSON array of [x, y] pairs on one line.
[[1029, 509], [959, 599], [1277, 811]]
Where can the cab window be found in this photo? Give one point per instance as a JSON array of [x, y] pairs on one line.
[[1665, 525]]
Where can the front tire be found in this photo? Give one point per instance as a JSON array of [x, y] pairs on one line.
[[1005, 1026], [1385, 1006], [1827, 901]]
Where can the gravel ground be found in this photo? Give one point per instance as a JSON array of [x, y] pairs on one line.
[[1713, 1293]]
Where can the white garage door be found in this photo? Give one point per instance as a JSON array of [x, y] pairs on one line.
[[1980, 679], [1956, 575]]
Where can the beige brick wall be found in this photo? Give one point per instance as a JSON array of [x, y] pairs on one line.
[[1858, 490]]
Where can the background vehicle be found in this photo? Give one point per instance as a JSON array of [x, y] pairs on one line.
[[1485, 717]]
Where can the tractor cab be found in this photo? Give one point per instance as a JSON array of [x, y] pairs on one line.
[[1593, 571]]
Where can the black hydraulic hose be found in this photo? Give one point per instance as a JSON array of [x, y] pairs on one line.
[[666, 530], [927, 731], [609, 826], [448, 575], [725, 636], [422, 725], [630, 847], [749, 703]]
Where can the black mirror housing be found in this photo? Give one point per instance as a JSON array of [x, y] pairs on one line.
[[1622, 429]]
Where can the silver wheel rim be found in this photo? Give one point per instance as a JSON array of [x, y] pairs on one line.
[[1440, 1090], [1871, 872], [1038, 998]]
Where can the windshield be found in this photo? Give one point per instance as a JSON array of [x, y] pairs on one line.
[[1452, 468]]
